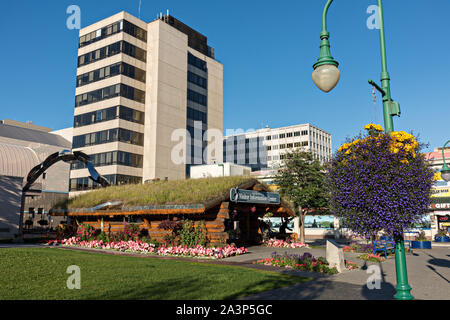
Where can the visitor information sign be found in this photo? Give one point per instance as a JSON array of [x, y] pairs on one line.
[[251, 196]]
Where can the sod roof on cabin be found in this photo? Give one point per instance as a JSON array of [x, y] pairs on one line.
[[159, 193]]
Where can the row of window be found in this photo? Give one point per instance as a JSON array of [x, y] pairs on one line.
[[196, 79], [112, 29], [106, 136], [287, 135], [197, 97], [111, 71], [79, 184], [196, 115], [110, 92], [196, 62], [111, 50], [288, 145], [112, 158], [117, 112]]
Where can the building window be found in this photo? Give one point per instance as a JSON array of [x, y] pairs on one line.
[[108, 93], [106, 136], [111, 71], [297, 134], [196, 62], [282, 146], [289, 134], [112, 158], [197, 97], [79, 184], [304, 132], [112, 29], [268, 137], [111, 50], [289, 145], [282, 136], [197, 80]]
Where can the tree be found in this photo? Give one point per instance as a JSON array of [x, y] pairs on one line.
[[302, 182], [380, 182]]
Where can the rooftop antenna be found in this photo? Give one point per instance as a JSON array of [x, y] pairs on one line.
[[139, 9]]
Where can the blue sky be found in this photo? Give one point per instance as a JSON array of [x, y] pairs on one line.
[[267, 48]]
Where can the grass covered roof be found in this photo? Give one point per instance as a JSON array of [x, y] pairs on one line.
[[175, 192]]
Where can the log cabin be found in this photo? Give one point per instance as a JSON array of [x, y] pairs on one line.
[[210, 200]]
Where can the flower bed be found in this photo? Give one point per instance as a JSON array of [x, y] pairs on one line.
[[351, 265], [358, 247], [274, 243], [371, 257], [305, 262], [137, 246]]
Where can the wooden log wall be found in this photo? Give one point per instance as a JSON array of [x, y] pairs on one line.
[[214, 221]]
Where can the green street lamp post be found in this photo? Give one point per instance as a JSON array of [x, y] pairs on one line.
[[326, 75], [445, 171]]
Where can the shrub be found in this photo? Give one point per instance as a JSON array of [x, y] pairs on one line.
[[441, 233], [86, 232], [380, 181], [371, 257], [421, 237], [305, 262], [131, 231], [65, 231], [191, 235]]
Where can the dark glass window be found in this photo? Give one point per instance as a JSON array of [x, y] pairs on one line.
[[111, 50], [111, 29], [196, 79], [110, 71], [112, 158], [108, 114], [197, 97], [196, 115], [196, 62], [78, 184], [106, 136], [110, 92]]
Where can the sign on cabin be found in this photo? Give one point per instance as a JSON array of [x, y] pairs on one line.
[[251, 196]]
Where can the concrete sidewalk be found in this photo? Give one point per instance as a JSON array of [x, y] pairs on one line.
[[428, 273]]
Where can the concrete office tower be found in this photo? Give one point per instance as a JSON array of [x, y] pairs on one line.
[[266, 148], [137, 82]]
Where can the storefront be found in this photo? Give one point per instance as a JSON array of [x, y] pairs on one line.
[[440, 214]]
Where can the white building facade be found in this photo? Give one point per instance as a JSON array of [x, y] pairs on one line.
[[266, 148], [137, 83]]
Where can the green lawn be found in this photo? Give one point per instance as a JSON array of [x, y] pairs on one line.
[[40, 273]]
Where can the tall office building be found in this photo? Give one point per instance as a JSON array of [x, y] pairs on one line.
[[137, 82], [266, 148]]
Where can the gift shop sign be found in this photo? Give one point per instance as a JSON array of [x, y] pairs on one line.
[[440, 206]]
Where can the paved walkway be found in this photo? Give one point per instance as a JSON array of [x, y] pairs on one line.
[[428, 273]]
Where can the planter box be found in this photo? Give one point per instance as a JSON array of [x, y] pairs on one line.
[[421, 244], [442, 239]]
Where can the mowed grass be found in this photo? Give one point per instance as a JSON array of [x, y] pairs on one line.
[[190, 191], [40, 273]]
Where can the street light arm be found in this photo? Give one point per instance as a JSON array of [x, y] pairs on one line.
[[443, 153], [324, 17]]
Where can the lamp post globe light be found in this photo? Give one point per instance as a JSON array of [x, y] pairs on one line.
[[445, 171], [326, 76]]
